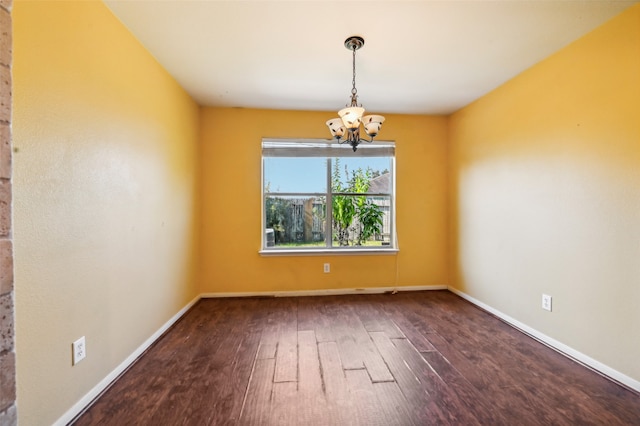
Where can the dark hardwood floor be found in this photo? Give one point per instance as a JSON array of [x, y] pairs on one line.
[[416, 358]]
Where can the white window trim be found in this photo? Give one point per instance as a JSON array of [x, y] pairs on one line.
[[333, 150]]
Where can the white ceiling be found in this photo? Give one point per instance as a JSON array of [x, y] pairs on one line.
[[423, 57]]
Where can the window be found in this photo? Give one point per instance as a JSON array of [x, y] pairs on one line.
[[319, 195]]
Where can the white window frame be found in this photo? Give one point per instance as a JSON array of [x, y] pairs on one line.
[[327, 149]]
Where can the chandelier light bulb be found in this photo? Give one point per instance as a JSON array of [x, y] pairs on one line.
[[372, 124], [336, 127], [351, 117]]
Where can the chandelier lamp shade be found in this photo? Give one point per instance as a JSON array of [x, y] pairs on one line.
[[346, 129]]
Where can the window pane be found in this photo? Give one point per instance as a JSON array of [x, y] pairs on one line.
[[295, 221], [361, 221], [295, 174], [364, 174]]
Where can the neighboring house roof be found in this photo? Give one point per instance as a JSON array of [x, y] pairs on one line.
[[380, 184]]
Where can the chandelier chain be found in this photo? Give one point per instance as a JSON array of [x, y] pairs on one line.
[[354, 91]]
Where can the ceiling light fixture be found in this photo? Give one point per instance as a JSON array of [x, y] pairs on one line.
[[348, 124]]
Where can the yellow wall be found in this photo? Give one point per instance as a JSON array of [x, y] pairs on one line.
[[231, 164], [104, 199], [545, 195]]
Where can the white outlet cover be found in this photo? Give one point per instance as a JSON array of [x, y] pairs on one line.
[[327, 268], [79, 350], [546, 302]]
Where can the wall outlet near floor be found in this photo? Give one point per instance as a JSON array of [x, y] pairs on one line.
[[546, 302], [327, 268], [79, 350]]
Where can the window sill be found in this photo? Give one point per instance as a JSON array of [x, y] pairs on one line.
[[330, 252]]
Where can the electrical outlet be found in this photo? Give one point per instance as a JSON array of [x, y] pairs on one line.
[[546, 302], [79, 350], [327, 268]]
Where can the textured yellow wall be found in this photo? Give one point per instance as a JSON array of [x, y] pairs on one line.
[[545, 195], [105, 199], [231, 164]]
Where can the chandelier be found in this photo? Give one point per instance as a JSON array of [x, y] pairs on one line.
[[348, 125]]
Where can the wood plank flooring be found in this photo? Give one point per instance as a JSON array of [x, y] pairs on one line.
[[417, 358]]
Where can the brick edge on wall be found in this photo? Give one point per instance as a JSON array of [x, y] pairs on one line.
[[8, 409]]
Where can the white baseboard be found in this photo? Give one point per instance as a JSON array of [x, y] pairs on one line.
[[329, 292], [104, 383], [556, 345]]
